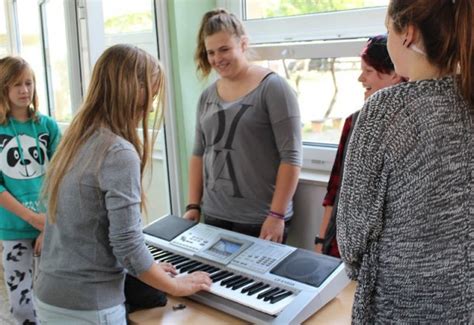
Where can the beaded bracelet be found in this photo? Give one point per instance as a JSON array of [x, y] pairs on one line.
[[276, 215]]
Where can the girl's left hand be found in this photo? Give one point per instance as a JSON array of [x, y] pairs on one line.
[[272, 229], [168, 268]]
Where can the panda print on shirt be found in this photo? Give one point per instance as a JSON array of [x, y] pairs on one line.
[[34, 161]]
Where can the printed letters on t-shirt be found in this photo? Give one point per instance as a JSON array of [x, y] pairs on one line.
[[221, 159]]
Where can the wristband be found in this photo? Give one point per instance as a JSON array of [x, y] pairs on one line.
[[276, 215], [193, 206], [318, 240]]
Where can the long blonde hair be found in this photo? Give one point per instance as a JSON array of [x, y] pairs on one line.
[[114, 101], [11, 69]]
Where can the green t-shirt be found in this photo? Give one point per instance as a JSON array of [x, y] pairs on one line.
[[22, 171]]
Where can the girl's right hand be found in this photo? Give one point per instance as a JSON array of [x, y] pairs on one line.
[[38, 244], [318, 248], [37, 220], [192, 283], [193, 215]]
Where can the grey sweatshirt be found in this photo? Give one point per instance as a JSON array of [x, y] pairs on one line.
[[98, 232]]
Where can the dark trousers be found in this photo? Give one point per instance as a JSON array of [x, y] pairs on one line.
[[243, 228]]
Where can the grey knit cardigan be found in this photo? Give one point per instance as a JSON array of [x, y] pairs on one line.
[[406, 207]]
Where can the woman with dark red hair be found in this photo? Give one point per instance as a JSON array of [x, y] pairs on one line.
[[377, 73]]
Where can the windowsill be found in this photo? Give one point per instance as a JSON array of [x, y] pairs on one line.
[[315, 177]]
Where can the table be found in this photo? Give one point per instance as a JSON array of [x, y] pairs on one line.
[[337, 312]]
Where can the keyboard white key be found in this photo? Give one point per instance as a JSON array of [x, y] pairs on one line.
[[246, 300]]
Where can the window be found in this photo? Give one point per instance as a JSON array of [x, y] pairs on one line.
[[62, 39], [31, 48], [4, 50], [316, 23], [135, 24], [58, 63], [258, 9], [328, 92], [315, 45], [124, 23]]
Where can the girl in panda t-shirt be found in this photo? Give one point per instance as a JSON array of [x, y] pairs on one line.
[[27, 142]]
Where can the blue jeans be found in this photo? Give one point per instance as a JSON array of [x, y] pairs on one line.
[[52, 315]]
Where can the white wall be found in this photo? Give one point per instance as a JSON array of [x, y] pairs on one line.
[[308, 212]]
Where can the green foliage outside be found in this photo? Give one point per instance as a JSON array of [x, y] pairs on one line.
[[280, 8], [134, 22]]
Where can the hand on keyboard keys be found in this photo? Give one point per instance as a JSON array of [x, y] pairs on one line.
[[192, 283]]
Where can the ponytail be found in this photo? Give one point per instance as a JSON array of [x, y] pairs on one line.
[[465, 46], [446, 29], [212, 22]]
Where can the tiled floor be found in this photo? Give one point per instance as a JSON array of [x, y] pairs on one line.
[[5, 316]]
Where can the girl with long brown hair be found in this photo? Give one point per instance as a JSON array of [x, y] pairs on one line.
[[94, 196], [405, 218]]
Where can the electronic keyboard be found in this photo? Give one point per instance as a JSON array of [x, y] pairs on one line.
[[256, 280]]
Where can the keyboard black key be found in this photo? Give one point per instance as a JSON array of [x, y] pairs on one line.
[[162, 255], [190, 267], [157, 254], [197, 268], [244, 290], [258, 289], [267, 292], [212, 270], [153, 249], [280, 297], [241, 283], [231, 279], [187, 264], [182, 263], [204, 268], [170, 259], [179, 260], [222, 276], [234, 281], [268, 297], [215, 275]]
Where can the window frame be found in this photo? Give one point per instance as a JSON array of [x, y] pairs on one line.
[[11, 16], [83, 19], [364, 22], [92, 45], [319, 35]]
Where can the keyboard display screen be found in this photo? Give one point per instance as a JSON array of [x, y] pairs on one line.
[[225, 247]]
